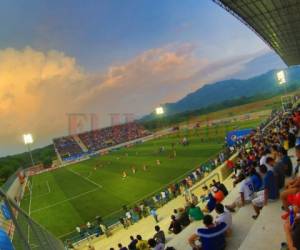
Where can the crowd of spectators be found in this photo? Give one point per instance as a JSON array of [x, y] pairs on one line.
[[260, 172], [95, 140], [110, 136], [67, 148]]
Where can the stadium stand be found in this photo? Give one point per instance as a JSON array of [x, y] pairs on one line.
[[67, 148], [110, 136], [73, 147]]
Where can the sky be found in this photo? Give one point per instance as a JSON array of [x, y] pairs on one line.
[[62, 57]]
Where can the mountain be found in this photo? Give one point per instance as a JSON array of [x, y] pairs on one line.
[[259, 65], [214, 93]]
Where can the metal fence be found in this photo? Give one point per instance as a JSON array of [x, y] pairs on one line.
[[23, 231]]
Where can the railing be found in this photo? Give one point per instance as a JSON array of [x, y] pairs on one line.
[[6, 186], [26, 233], [205, 182]]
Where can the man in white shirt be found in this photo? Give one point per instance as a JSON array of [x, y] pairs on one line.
[[128, 216], [223, 216], [246, 195]]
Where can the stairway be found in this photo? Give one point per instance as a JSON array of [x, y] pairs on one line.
[[80, 143]]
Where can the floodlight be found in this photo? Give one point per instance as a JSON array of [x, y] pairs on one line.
[[159, 110], [27, 139], [281, 77]]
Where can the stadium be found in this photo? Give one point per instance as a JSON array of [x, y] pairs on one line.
[[220, 175]]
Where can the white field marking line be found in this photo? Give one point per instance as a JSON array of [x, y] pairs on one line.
[[40, 195], [86, 178], [63, 201], [48, 187]]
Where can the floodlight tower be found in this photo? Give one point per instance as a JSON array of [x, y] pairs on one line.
[[281, 77], [27, 141], [286, 100], [159, 110]]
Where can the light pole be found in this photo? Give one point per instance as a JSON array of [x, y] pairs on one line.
[[286, 100], [159, 112], [27, 141], [281, 79]]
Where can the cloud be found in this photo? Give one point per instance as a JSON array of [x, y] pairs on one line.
[[38, 89]]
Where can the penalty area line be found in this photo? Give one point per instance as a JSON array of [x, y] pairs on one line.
[[86, 178], [63, 201]]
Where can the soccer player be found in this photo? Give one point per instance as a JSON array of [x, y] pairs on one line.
[[144, 167], [157, 162], [124, 174], [133, 170]]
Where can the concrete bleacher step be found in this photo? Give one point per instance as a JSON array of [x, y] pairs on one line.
[[241, 219], [267, 231], [242, 225]]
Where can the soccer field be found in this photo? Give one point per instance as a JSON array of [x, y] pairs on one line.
[[73, 195]]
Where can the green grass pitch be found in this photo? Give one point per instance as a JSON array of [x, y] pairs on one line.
[[73, 195]]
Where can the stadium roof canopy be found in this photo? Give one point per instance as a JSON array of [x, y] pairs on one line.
[[277, 22]]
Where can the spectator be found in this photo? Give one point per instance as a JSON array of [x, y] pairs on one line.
[[153, 212], [212, 237], [121, 247], [292, 187], [129, 217], [176, 214], [218, 194], [256, 180], [123, 222], [184, 219], [104, 229], [70, 245], [297, 151], [159, 236], [132, 244], [194, 199], [221, 187], [195, 213], [175, 226], [141, 244], [292, 233], [204, 197], [246, 195], [287, 162], [269, 193], [90, 247], [278, 169], [211, 204], [223, 216], [156, 246]]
